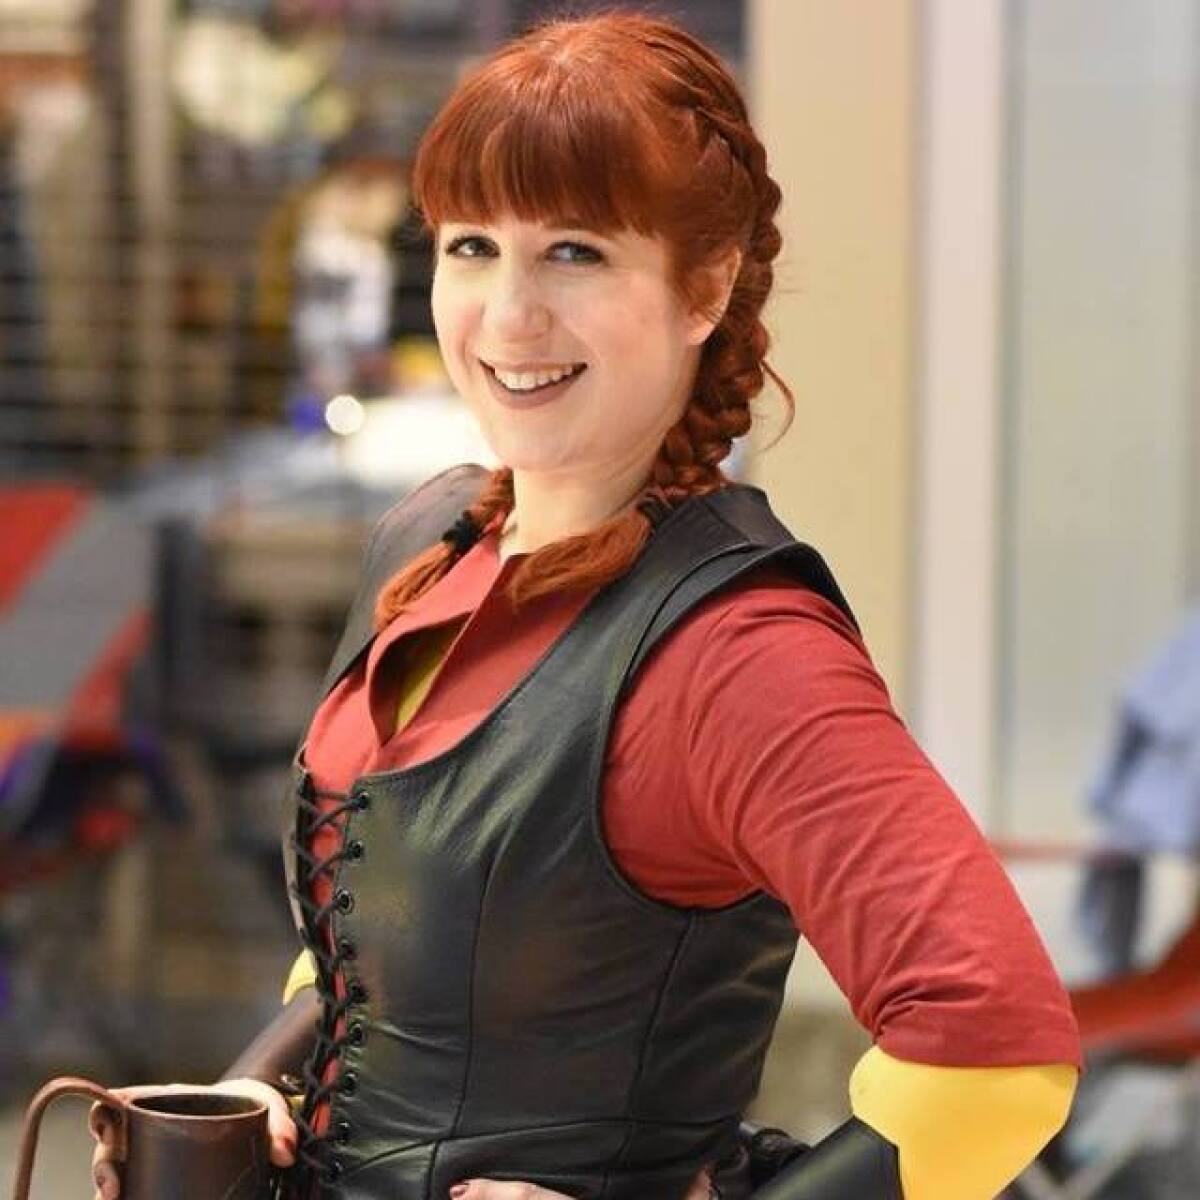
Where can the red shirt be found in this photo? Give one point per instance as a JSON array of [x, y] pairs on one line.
[[757, 749]]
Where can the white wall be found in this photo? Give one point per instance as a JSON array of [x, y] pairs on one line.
[[1099, 380], [955, 629], [1099, 392]]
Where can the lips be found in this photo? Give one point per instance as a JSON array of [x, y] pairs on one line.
[[536, 387]]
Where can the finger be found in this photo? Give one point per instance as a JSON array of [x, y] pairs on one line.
[[104, 1130], [107, 1181], [283, 1142], [281, 1129], [701, 1186], [502, 1189]]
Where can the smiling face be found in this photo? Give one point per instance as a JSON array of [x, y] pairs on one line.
[[573, 349]]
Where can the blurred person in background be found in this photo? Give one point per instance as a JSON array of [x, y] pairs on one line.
[[601, 737]]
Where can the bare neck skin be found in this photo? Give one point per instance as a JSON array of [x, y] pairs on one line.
[[548, 506]]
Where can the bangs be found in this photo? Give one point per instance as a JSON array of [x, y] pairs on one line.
[[552, 148]]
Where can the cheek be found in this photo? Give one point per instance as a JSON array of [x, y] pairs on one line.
[[443, 311], [647, 337], [451, 323], [635, 324]]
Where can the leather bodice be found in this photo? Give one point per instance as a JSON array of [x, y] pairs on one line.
[[519, 1010]]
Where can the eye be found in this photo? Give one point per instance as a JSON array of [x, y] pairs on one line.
[[469, 245], [575, 252]]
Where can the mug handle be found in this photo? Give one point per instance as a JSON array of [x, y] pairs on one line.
[[64, 1085]]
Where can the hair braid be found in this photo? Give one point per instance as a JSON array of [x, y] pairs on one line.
[[496, 500], [733, 365]]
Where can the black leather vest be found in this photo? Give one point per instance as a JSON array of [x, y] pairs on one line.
[[518, 1009]]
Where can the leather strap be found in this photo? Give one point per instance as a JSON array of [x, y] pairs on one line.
[[852, 1163], [768, 1150]]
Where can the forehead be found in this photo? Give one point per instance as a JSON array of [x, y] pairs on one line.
[[512, 223]]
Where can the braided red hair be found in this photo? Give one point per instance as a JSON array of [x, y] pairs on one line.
[[615, 121]]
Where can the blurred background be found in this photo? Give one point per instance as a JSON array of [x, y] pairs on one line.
[[217, 368]]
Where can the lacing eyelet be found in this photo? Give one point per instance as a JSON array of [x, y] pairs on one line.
[[320, 930]]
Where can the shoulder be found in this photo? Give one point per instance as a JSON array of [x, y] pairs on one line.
[[766, 616], [764, 659]]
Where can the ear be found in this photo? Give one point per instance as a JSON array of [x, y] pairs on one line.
[[716, 282]]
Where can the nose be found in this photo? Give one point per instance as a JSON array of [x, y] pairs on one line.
[[516, 311]]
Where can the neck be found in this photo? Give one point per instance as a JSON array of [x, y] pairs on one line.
[[548, 508]]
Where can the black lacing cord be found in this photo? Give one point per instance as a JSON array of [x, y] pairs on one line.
[[328, 1047], [463, 534]]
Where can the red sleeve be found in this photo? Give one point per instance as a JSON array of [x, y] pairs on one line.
[[776, 761]]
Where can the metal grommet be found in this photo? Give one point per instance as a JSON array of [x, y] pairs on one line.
[[355, 850], [348, 1083], [362, 800], [341, 1132], [344, 900], [356, 1034], [347, 949]]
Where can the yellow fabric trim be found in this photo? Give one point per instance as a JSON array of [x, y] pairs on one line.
[[962, 1133], [424, 660], [303, 974]]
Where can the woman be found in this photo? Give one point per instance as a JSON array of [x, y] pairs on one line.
[[600, 736]]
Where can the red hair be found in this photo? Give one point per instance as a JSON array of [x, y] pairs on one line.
[[609, 122]]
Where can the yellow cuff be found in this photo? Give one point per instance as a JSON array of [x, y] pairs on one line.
[[962, 1133], [303, 974]]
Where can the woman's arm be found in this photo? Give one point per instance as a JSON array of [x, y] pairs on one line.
[[277, 1055]]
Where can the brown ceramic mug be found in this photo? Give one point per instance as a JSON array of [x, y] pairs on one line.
[[172, 1145]]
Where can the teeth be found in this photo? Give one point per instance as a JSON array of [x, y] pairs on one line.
[[526, 381]]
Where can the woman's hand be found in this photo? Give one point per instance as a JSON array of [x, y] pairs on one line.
[[281, 1129], [507, 1189]]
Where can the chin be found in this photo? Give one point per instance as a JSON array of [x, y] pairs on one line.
[[522, 452], [528, 459]]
